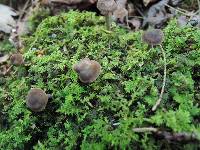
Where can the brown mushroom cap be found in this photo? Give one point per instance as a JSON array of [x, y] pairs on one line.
[[36, 99], [17, 59], [153, 37], [106, 6], [88, 70]]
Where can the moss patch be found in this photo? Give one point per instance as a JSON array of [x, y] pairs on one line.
[[101, 115]]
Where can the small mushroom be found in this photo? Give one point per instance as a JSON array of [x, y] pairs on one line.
[[16, 59], [153, 37], [107, 7], [36, 99], [88, 70]]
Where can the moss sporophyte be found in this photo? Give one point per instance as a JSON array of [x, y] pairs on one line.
[[123, 83]]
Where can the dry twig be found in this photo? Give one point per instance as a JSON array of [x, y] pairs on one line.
[[182, 136], [164, 80]]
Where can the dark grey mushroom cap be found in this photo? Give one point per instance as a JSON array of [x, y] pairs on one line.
[[153, 37], [36, 99], [88, 70], [106, 6]]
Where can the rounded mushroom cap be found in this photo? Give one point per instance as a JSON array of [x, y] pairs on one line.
[[88, 70], [153, 37], [36, 99], [106, 6], [16, 59]]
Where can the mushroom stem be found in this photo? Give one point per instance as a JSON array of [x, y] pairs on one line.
[[164, 80], [108, 21], [127, 22]]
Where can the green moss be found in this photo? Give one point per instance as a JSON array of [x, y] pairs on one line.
[[102, 114], [6, 47], [37, 15]]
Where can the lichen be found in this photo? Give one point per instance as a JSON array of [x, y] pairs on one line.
[[101, 115]]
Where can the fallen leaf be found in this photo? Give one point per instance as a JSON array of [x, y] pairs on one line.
[[121, 3], [182, 21], [156, 14], [4, 58], [135, 23], [7, 21], [45, 2], [120, 13], [131, 9], [175, 2], [147, 2]]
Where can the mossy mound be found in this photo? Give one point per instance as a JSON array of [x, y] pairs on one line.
[[101, 115]]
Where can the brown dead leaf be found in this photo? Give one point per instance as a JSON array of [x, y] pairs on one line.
[[120, 13], [182, 21], [131, 9], [121, 3], [45, 2], [156, 14], [135, 23], [147, 2]]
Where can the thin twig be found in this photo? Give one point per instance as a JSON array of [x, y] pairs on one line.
[[8, 70], [145, 129], [23, 10], [169, 136], [140, 12], [198, 4], [177, 10], [139, 17], [164, 81]]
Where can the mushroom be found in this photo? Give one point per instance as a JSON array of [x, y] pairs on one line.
[[107, 7], [155, 37], [36, 99], [16, 59], [88, 70]]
